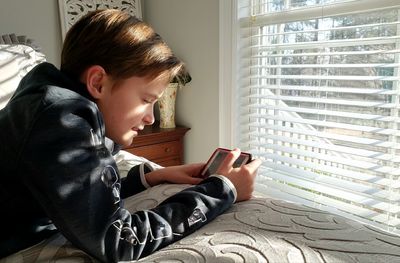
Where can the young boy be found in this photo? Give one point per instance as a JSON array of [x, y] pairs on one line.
[[58, 173]]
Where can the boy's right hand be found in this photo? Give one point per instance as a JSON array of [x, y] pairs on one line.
[[243, 177]]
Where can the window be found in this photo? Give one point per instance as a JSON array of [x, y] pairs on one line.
[[317, 99]]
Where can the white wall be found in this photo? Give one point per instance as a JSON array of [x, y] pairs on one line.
[[36, 19], [191, 29]]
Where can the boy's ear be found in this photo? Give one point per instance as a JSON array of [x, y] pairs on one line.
[[95, 78]]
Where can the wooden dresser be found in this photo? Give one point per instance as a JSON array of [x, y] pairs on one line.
[[162, 146]]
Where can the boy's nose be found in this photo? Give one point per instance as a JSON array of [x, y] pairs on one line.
[[149, 118]]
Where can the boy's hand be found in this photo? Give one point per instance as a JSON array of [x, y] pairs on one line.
[[243, 177], [181, 174]]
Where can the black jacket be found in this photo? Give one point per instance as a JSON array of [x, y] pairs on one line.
[[58, 175]]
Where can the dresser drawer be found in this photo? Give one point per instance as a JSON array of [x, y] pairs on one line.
[[158, 151]]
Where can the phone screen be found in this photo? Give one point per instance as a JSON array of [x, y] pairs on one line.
[[216, 159]]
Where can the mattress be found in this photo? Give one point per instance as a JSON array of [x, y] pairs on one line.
[[262, 229]]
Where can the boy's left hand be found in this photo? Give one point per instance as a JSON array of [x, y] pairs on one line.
[[180, 174]]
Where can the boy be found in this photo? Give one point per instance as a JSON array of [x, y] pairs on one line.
[[58, 173]]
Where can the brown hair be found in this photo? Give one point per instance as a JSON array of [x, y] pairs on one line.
[[122, 44]]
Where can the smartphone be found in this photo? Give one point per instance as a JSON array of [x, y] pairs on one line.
[[218, 156]]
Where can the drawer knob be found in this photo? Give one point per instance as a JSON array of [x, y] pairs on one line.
[[167, 150]]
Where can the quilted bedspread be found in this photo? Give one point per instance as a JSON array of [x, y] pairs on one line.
[[262, 229]]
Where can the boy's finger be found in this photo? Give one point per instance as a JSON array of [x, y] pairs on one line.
[[230, 158], [254, 164], [195, 180], [196, 166]]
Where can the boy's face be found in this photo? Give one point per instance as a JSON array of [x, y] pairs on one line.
[[127, 106]]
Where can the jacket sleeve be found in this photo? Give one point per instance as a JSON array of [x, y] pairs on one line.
[[135, 181], [74, 177]]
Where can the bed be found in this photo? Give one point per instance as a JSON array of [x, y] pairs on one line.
[[262, 229]]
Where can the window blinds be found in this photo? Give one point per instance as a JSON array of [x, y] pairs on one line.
[[318, 102]]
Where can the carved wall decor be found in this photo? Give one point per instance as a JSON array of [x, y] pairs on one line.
[[72, 10]]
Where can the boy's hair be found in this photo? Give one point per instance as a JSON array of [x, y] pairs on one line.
[[122, 44]]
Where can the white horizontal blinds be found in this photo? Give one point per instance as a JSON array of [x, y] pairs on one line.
[[319, 103]]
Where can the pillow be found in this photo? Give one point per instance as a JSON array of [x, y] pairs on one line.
[[125, 161], [15, 62]]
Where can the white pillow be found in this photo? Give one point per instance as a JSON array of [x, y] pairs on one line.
[[15, 63], [125, 161]]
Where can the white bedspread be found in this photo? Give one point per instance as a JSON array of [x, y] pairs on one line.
[[259, 230]]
